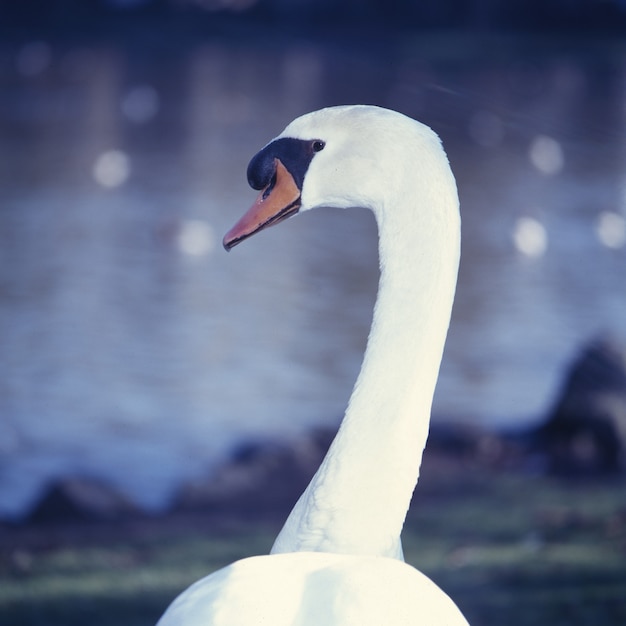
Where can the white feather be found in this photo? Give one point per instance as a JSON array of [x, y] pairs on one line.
[[337, 560]]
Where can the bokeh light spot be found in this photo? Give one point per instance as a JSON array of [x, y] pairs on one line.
[[33, 58], [195, 238], [140, 104], [530, 237], [546, 155], [112, 168], [611, 229]]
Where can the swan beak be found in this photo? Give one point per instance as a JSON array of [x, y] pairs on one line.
[[279, 200]]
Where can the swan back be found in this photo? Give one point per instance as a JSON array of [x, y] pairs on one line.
[[314, 589]]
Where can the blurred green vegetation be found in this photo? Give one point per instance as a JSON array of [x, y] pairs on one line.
[[509, 548]]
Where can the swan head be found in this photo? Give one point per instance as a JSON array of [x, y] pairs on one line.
[[344, 156]]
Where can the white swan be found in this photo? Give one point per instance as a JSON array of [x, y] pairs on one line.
[[338, 558]]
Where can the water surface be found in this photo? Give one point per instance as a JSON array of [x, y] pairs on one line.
[[134, 349]]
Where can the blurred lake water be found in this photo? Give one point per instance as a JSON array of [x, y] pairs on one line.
[[135, 350]]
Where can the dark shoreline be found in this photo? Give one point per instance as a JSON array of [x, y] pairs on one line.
[[259, 486], [507, 545], [261, 480]]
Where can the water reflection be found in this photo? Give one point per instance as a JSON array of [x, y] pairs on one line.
[[134, 348]]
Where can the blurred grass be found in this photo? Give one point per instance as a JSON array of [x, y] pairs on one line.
[[507, 547]]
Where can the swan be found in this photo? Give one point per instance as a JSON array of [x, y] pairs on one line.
[[338, 558]]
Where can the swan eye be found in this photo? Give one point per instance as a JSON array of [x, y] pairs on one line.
[[318, 145]]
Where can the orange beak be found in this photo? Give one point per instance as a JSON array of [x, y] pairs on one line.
[[279, 200]]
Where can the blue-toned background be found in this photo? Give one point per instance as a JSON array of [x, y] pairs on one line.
[[133, 349]]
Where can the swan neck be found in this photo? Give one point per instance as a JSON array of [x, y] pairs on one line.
[[388, 414], [358, 499]]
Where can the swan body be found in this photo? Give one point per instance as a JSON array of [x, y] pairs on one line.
[[314, 588], [338, 558]]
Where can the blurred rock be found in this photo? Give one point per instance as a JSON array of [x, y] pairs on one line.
[[81, 499], [262, 477], [268, 478], [476, 445], [585, 433]]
